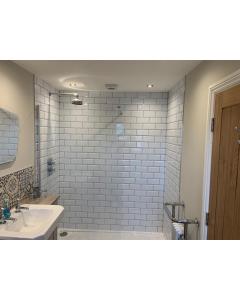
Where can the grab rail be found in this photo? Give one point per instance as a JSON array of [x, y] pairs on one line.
[[172, 216]]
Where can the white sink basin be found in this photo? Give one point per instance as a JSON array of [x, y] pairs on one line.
[[36, 223]]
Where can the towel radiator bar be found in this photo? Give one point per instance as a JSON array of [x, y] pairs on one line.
[[172, 216]]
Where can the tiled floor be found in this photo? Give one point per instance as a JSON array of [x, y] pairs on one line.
[[109, 235]]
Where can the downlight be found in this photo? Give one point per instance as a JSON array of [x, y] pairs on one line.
[[150, 85]]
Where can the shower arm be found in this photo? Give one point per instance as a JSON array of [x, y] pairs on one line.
[[63, 94]]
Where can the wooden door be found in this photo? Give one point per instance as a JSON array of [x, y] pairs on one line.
[[224, 206]]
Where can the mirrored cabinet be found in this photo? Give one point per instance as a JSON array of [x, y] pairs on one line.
[[9, 136]]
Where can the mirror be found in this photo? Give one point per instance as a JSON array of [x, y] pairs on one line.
[[9, 132]]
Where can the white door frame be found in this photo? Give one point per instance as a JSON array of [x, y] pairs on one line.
[[224, 84]]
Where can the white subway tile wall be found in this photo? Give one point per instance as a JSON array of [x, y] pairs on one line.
[[173, 149], [112, 160], [116, 157], [49, 135]]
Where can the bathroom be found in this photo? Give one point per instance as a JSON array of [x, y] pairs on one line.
[[119, 149], [111, 159]]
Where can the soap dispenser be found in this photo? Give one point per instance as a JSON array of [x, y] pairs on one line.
[[6, 208]]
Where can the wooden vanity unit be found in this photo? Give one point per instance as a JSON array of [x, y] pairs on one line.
[[48, 200]]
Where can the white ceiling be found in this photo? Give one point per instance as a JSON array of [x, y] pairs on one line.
[[131, 76]]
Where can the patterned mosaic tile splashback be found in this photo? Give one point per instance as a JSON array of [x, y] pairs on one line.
[[16, 185]]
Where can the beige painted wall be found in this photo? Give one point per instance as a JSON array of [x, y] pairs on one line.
[[195, 117], [17, 96]]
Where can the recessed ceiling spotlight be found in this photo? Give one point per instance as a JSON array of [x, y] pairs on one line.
[[150, 86], [72, 84]]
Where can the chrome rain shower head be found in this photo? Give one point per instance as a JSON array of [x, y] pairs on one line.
[[75, 100]]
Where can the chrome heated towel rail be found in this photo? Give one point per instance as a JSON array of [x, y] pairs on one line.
[[172, 216]]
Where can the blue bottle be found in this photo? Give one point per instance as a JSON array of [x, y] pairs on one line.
[[6, 208]]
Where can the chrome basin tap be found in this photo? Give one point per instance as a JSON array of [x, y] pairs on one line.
[[18, 207], [2, 220]]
